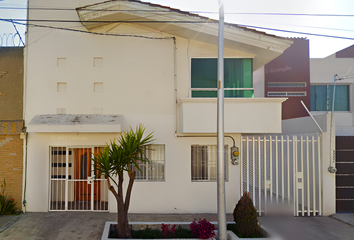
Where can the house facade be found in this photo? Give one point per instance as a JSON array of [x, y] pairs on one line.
[[323, 71], [115, 65], [11, 121]]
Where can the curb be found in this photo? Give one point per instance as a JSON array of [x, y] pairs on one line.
[[10, 223]]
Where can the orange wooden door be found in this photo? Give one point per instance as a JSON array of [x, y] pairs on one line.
[[82, 172]]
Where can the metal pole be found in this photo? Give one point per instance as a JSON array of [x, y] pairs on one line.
[[220, 130]]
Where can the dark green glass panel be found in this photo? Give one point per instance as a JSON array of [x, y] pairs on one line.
[[239, 93], [313, 99], [341, 102], [204, 94], [227, 94], [204, 73]]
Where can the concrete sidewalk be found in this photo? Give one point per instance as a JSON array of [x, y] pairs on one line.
[[89, 225]]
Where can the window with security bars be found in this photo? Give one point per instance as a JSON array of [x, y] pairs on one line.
[[204, 162], [155, 170]]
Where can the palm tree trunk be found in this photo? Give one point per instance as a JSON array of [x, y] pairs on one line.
[[123, 224]]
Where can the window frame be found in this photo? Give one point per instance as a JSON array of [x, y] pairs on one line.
[[193, 178], [215, 89], [150, 165], [331, 99]]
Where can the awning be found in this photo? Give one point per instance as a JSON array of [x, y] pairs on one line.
[[88, 123]]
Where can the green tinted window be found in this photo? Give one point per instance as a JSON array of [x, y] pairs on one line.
[[237, 74], [320, 94]]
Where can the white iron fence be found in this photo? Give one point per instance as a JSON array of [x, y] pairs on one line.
[[282, 173]]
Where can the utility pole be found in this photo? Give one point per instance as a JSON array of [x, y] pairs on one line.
[[220, 130]]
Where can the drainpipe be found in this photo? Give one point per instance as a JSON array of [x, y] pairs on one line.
[[25, 134], [332, 150], [24, 137]]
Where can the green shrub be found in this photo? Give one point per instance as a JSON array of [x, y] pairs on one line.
[[7, 204], [245, 217], [149, 233]]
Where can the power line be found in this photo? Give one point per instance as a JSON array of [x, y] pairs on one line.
[[241, 25], [94, 33], [303, 33], [196, 12], [19, 35], [115, 21]]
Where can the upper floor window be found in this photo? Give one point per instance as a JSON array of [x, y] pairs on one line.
[[322, 98], [237, 78]]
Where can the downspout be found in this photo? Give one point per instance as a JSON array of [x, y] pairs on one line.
[[175, 83], [24, 174], [24, 137], [332, 150]]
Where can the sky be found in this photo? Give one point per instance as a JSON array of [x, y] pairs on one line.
[[253, 16]]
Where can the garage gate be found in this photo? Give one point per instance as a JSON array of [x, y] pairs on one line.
[[345, 174], [282, 173]]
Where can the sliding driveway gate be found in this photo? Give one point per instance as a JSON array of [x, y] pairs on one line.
[[282, 173]]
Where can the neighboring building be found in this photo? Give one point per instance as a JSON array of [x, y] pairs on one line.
[[322, 83], [288, 76], [11, 123]]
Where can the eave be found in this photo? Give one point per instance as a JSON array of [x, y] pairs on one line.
[[262, 46]]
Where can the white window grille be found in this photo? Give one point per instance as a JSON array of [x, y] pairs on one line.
[[204, 162], [155, 170], [286, 94], [287, 84]]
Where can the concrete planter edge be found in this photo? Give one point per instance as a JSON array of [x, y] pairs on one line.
[[230, 234]]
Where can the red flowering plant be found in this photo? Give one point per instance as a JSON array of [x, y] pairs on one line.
[[166, 231], [202, 229], [7, 204]]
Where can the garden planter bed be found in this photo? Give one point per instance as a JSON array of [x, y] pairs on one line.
[[157, 225]]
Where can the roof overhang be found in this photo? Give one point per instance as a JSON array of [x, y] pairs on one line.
[[262, 46], [88, 123]]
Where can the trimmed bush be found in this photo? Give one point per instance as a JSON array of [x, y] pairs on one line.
[[245, 217]]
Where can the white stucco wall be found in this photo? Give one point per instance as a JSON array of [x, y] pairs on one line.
[[322, 71]]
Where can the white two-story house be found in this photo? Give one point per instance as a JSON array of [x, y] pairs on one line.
[[94, 69]]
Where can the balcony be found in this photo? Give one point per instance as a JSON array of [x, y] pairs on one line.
[[241, 115]]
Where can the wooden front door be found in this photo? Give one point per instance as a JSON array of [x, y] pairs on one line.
[[82, 172]]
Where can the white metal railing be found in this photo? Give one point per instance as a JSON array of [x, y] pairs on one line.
[[71, 181], [282, 173]]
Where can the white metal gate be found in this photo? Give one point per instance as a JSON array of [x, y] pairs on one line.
[[282, 173], [71, 181]]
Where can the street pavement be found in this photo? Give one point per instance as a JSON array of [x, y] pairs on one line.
[[89, 225]]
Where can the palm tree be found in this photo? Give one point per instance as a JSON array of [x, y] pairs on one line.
[[115, 159]]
